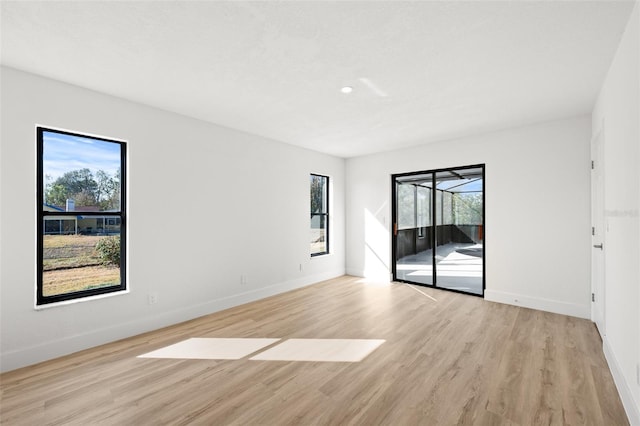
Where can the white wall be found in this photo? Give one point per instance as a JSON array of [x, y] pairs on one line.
[[206, 204], [618, 107], [537, 195]]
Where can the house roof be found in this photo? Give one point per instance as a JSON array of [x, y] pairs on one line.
[[51, 207]]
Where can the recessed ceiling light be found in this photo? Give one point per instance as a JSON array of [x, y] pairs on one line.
[[347, 89]]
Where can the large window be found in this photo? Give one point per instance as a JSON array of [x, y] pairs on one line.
[[319, 215], [81, 216]]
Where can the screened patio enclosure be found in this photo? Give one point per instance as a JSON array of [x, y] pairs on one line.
[[438, 237]]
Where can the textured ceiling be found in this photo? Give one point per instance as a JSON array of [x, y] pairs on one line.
[[421, 71]]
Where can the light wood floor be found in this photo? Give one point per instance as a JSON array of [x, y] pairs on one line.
[[448, 359]]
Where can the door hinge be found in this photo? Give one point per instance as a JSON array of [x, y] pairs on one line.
[[593, 230], [593, 164], [593, 297]]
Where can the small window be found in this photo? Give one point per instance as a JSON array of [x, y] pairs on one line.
[[319, 215], [81, 216]]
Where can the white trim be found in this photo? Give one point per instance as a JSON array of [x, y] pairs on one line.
[[548, 305], [381, 276], [355, 272], [320, 256], [79, 132], [599, 162], [79, 300], [53, 349], [631, 408]]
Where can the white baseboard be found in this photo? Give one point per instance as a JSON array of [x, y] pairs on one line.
[[548, 305], [564, 308], [381, 276], [355, 272], [50, 350], [630, 406]]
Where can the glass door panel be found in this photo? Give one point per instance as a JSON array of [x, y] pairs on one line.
[[459, 236], [414, 231]]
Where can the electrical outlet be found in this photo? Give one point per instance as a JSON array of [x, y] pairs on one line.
[[153, 298], [301, 267]]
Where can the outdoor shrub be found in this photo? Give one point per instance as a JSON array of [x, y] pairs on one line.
[[108, 250]]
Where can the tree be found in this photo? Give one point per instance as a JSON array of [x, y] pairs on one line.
[[467, 208], [56, 194], [115, 194], [317, 194], [84, 198], [406, 214], [80, 185], [106, 186]]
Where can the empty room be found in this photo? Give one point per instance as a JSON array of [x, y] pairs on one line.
[[320, 212]]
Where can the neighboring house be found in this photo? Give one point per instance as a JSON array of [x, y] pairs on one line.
[[86, 225]]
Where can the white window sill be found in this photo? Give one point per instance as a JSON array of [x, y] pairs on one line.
[[79, 300]]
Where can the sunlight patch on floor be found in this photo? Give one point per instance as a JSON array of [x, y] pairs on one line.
[[210, 348], [322, 350]]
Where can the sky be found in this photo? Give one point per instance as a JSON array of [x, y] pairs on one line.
[[459, 185], [63, 153]]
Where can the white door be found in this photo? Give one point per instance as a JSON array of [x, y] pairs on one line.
[[598, 286]]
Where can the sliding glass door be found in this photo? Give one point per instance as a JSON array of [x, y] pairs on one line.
[[438, 237]]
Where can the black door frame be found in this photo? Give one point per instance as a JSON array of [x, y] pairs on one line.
[[394, 222]]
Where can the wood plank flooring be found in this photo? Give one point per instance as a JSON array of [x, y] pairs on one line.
[[448, 359]]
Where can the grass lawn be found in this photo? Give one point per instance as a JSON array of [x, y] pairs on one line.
[[71, 280], [71, 264]]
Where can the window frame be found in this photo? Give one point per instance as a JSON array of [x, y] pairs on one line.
[[324, 214], [41, 213]]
